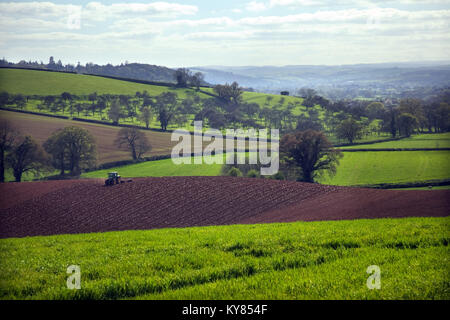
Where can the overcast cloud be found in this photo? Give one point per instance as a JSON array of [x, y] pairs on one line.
[[203, 32]]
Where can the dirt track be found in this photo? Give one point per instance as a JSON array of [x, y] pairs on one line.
[[82, 206]]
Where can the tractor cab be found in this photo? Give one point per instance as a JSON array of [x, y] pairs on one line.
[[113, 175], [113, 178]]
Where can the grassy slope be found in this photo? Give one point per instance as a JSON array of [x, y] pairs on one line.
[[315, 260], [441, 140], [32, 82], [160, 168], [390, 167], [355, 168]]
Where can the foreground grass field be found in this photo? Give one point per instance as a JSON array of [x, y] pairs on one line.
[[315, 260], [361, 168]]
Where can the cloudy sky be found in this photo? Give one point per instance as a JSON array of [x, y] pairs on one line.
[[231, 32]]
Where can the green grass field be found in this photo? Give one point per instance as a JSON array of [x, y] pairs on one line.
[[32, 82], [159, 168], [441, 140], [356, 168], [360, 168], [313, 260]]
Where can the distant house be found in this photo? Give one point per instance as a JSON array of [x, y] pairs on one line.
[[284, 93]]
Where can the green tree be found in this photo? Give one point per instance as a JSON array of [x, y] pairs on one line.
[[115, 112], [312, 152], [27, 156], [146, 116], [166, 106], [407, 123], [349, 129], [55, 146], [73, 148], [375, 110], [8, 135]]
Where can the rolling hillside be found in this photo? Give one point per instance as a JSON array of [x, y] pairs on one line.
[[33, 82]]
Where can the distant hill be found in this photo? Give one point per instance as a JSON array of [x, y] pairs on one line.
[[379, 79], [138, 71]]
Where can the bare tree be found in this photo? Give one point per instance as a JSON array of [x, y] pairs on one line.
[[133, 140], [8, 134]]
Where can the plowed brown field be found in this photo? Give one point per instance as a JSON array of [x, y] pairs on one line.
[[83, 206]]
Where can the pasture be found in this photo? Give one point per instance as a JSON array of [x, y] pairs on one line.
[[159, 168], [422, 141], [33, 82], [302, 260], [362, 168]]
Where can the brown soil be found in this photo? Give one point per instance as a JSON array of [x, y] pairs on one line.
[[83, 206]]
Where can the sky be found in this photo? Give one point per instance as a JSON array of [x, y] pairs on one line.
[[227, 33]]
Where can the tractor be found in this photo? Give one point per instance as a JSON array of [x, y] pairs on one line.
[[113, 178]]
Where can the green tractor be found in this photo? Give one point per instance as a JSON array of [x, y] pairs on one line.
[[113, 178]]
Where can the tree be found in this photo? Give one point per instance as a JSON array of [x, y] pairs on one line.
[[197, 80], [231, 94], [312, 152], [415, 108], [55, 146], [375, 110], [8, 134], [182, 77], [4, 98], [349, 129], [146, 116], [115, 112], [133, 140], [443, 117], [73, 148], [166, 106], [407, 123], [26, 156], [20, 101]]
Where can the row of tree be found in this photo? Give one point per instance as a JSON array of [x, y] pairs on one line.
[[69, 150], [226, 108]]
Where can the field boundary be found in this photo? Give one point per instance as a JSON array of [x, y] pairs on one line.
[[368, 142], [394, 149], [403, 185]]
